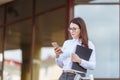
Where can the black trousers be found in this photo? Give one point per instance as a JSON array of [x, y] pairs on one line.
[[69, 76]]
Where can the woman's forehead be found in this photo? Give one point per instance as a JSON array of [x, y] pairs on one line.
[[74, 25]]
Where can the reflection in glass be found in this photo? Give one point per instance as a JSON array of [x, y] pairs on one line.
[[18, 39], [1, 15], [12, 64], [0, 65], [47, 30], [16, 12], [49, 70], [105, 1], [1, 56], [92, 1], [103, 28]]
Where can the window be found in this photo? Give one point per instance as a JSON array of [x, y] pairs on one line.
[[103, 29]]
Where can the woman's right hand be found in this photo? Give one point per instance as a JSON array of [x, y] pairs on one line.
[[58, 51]]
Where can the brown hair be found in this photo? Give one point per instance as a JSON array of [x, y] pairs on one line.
[[83, 31]]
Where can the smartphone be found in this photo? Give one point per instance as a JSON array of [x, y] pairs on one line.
[[55, 44]]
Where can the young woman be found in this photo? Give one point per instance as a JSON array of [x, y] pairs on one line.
[[65, 56]]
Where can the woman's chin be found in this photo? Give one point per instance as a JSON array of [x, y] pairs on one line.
[[74, 38]]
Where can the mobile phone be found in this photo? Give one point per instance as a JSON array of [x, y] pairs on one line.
[[55, 44]]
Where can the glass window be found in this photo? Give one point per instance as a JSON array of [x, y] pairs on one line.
[[17, 50], [103, 29], [19, 10], [49, 70], [45, 5], [1, 56], [104, 1], [12, 64], [48, 29], [1, 15], [92, 1]]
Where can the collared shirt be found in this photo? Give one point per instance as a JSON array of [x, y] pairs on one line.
[[69, 47]]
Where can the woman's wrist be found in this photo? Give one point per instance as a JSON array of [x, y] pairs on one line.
[[57, 56], [80, 61]]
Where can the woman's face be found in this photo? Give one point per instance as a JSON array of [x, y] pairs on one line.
[[74, 30]]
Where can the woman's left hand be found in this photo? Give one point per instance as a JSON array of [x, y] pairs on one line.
[[76, 58]]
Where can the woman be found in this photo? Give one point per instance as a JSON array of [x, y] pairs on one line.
[[65, 56]]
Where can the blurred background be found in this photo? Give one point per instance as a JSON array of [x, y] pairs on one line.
[[27, 28]]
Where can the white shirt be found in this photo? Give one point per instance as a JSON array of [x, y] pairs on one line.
[[69, 47]]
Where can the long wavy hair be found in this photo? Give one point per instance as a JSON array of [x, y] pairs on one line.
[[83, 31]]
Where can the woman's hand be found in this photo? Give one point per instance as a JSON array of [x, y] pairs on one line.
[[58, 51], [76, 58]]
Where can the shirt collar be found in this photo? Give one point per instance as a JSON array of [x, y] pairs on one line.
[[77, 40]]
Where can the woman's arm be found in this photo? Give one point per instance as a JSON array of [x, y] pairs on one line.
[[91, 64], [60, 57]]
